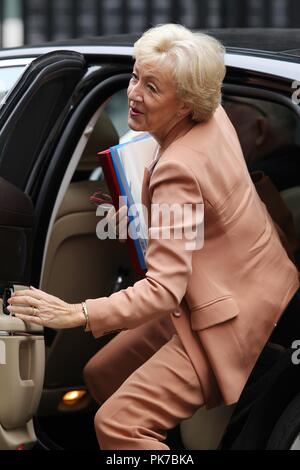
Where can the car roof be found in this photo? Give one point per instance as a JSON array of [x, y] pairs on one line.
[[260, 39], [271, 41]]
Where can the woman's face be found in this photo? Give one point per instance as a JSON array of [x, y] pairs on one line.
[[153, 102]]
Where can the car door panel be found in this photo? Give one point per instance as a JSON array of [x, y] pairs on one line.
[[16, 224], [30, 117], [22, 350]]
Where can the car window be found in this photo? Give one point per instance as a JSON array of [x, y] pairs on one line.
[[269, 136], [117, 110], [8, 77]]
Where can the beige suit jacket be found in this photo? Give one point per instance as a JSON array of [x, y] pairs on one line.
[[226, 297]]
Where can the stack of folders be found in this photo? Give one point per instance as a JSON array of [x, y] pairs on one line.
[[123, 167]]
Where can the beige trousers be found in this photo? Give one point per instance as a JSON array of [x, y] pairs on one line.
[[145, 384]]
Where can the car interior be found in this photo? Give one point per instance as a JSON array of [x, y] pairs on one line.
[[77, 265]]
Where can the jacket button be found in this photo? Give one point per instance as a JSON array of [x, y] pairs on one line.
[[177, 313]]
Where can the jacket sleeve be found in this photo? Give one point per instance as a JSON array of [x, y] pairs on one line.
[[174, 233]]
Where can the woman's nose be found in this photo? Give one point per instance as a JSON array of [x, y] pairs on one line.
[[134, 93]]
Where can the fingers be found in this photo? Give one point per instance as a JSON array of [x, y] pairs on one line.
[[111, 213], [122, 229], [36, 290], [21, 309], [122, 222], [122, 215], [122, 211], [24, 299], [30, 319], [28, 295], [36, 293], [119, 220], [118, 216]]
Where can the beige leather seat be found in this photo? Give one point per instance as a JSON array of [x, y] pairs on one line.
[[79, 265]]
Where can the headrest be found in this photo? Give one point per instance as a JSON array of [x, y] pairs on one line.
[[103, 136]]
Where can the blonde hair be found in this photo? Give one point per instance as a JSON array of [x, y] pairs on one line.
[[196, 62]]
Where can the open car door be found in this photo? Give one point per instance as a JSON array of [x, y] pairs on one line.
[[31, 117]]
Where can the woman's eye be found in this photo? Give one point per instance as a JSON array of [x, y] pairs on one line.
[[133, 76], [152, 88]]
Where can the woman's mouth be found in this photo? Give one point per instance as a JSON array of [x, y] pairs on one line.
[[134, 112]]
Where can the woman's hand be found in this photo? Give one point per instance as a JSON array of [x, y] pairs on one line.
[[119, 220], [35, 306]]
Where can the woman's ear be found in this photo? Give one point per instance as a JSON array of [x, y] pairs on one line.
[[184, 109]]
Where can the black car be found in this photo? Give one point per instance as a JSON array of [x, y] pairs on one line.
[[61, 103]]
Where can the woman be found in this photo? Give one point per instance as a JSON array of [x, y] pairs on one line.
[[197, 322]]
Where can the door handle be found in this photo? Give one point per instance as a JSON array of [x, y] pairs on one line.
[[7, 293]]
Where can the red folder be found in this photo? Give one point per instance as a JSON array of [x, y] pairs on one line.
[[123, 167]]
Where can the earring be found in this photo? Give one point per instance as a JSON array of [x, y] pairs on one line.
[[178, 114]]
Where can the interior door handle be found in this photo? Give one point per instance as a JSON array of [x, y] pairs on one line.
[[7, 293]]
